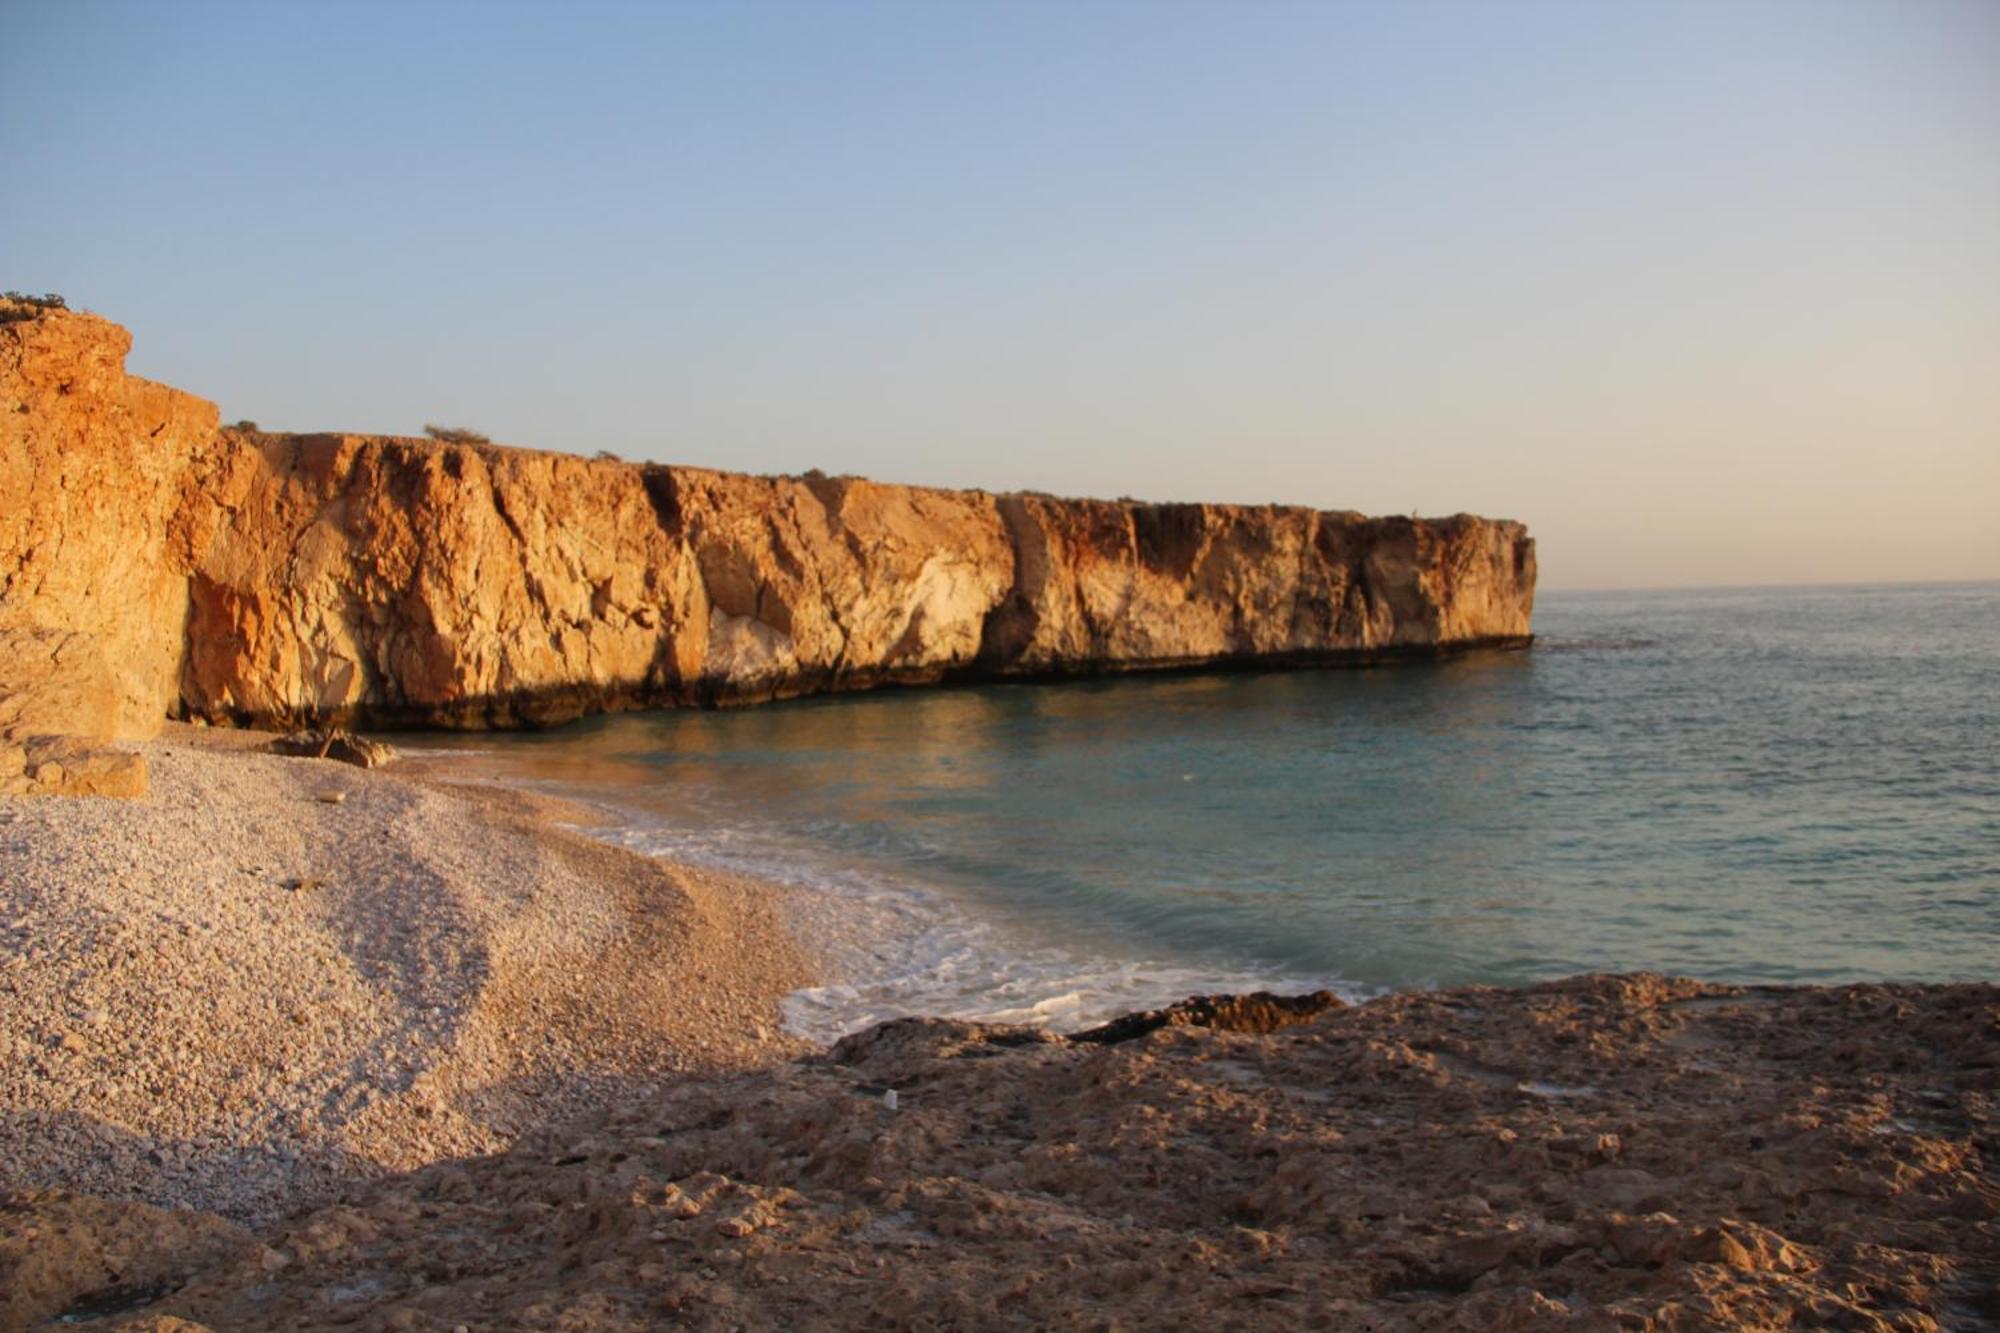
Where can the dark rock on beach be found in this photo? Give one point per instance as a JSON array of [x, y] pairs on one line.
[[1258, 1012], [333, 743]]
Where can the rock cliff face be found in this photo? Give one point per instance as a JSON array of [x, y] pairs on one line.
[[270, 579], [96, 469]]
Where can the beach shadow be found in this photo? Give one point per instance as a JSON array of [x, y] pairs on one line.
[[251, 1185], [97, 1222]]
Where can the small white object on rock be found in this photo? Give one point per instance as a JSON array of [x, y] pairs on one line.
[[889, 1099]]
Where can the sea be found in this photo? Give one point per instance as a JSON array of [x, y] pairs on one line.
[[1759, 785]]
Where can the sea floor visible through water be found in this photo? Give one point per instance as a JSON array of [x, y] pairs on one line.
[[1749, 785]]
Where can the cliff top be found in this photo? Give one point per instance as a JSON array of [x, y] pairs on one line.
[[99, 338]]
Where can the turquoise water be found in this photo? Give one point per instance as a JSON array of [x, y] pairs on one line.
[[1749, 785]]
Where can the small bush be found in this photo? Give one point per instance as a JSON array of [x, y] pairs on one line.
[[28, 307], [247, 426], [454, 434]]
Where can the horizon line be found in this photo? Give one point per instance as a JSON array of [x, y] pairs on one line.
[[1774, 587]]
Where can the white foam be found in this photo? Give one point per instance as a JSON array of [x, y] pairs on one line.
[[893, 948]]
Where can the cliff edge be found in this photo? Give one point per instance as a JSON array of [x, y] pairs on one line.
[[153, 564]]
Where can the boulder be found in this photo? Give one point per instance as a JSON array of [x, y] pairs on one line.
[[332, 743]]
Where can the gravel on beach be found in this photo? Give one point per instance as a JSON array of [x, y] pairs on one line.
[[273, 977]]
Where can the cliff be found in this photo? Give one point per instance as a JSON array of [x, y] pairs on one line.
[[163, 566], [96, 469]]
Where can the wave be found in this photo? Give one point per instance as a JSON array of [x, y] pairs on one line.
[[892, 948], [1546, 644]]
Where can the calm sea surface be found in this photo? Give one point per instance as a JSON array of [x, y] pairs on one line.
[[1748, 785]]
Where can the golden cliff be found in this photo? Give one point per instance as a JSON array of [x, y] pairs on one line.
[[153, 564]]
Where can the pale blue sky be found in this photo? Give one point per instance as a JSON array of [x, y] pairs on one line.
[[1704, 292]]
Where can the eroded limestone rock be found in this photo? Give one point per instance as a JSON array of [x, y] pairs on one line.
[[38, 765], [61, 1252], [1817, 1158], [285, 580], [1258, 1012]]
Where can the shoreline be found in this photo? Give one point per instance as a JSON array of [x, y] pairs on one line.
[[888, 943], [532, 711], [423, 1056]]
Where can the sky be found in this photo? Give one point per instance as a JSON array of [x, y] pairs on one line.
[[1704, 292]]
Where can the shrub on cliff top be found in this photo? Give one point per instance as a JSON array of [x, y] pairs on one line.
[[454, 434], [25, 306]]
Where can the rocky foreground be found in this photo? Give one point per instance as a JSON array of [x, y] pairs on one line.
[[1604, 1153]]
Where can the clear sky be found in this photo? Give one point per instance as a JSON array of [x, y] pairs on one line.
[[1704, 292]]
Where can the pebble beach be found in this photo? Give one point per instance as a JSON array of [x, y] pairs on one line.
[[274, 977]]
